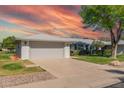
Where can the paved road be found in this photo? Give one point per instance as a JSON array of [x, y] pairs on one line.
[[73, 73]]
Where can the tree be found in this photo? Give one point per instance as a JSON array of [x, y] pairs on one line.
[[9, 43], [0, 46], [99, 45], [109, 18]]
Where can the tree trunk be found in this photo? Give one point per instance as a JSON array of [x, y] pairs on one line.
[[115, 37], [114, 51]]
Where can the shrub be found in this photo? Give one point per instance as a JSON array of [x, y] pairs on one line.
[[98, 44], [72, 53], [107, 52], [76, 52], [4, 56], [12, 66], [0, 46], [9, 43]]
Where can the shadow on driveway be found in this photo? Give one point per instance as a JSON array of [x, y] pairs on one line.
[[115, 71], [117, 85]]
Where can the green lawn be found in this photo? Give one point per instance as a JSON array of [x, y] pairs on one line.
[[98, 59], [9, 67]]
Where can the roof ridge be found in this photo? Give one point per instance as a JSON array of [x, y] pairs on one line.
[[45, 34]]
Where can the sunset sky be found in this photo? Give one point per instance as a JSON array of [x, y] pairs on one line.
[[56, 20]]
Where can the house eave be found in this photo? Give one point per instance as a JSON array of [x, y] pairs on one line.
[[64, 40]]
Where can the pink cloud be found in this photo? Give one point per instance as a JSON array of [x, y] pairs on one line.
[[53, 17]]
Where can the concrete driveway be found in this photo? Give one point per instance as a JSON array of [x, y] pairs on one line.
[[73, 73]]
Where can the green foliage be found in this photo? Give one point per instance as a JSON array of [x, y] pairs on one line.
[[5, 56], [12, 66], [9, 43], [109, 18], [107, 52], [95, 59], [76, 52], [9, 67], [120, 58], [103, 16], [122, 37], [99, 59], [0, 46], [98, 44]]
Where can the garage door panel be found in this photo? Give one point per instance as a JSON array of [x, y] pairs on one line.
[[46, 45], [40, 50]]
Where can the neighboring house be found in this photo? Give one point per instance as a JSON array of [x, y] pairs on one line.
[[36, 47], [85, 45], [120, 49], [82, 46]]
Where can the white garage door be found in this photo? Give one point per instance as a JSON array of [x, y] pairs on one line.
[[41, 50]]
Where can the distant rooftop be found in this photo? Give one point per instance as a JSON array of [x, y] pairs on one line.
[[121, 42]]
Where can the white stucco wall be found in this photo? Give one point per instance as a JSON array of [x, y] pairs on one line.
[[25, 50], [40, 50], [67, 50]]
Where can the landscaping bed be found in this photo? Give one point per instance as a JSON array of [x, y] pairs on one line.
[[8, 81], [15, 72], [9, 67]]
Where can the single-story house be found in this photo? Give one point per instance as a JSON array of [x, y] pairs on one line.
[[81, 44], [42, 46], [88, 42], [120, 49]]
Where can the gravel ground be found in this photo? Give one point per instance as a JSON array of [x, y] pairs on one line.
[[8, 81]]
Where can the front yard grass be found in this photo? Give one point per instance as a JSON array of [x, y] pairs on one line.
[[9, 67], [98, 59]]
